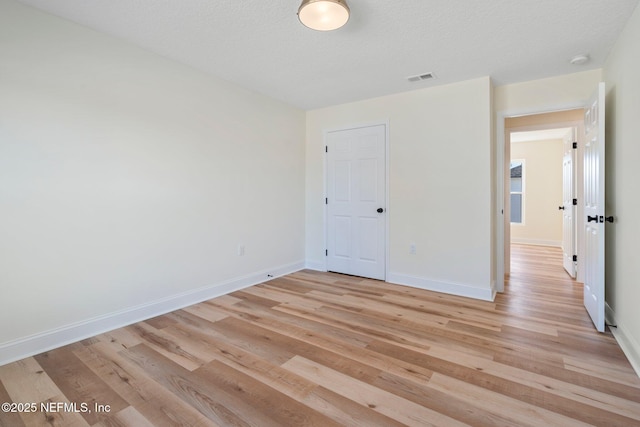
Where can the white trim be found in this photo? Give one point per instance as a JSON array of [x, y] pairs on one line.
[[325, 171], [630, 347], [47, 340], [500, 195], [387, 261], [447, 288], [537, 242], [522, 193], [325, 194]]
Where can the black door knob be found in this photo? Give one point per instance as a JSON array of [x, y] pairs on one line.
[[380, 210], [592, 218], [609, 219], [561, 208]]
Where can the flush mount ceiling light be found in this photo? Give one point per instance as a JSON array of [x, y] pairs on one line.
[[579, 59], [323, 15]]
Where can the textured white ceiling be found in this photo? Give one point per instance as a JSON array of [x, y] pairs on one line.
[[259, 44]]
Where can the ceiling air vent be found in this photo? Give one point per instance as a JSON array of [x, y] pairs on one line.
[[420, 77]]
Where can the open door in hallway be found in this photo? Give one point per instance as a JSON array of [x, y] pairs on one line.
[[594, 205]]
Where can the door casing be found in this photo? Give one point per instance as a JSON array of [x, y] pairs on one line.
[[569, 193]]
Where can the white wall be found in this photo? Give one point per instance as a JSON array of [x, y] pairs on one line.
[[127, 179], [623, 151], [542, 193], [440, 170]]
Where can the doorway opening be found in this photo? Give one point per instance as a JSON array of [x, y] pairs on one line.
[[541, 191]]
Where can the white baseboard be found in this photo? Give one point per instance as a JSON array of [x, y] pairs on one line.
[[537, 242], [486, 294], [628, 344], [47, 340], [315, 265]]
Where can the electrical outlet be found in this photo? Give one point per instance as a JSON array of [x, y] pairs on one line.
[[412, 249], [240, 250]]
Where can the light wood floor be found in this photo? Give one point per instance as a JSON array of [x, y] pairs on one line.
[[326, 349]]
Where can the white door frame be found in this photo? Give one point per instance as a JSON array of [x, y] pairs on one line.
[[569, 193], [325, 181], [500, 180]]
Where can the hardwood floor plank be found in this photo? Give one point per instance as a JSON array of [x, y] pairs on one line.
[[510, 387], [216, 404], [226, 395], [443, 403], [79, 384], [323, 341], [393, 406], [545, 383], [128, 417], [617, 374], [584, 378], [205, 311], [330, 404], [119, 339], [346, 412], [167, 345], [8, 418], [286, 321], [513, 412], [26, 381], [271, 403], [154, 402]]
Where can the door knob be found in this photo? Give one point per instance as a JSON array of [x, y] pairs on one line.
[[561, 208], [592, 218], [609, 219], [380, 210]]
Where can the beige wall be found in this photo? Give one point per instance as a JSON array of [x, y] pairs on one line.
[[542, 193], [623, 151], [555, 93], [542, 121], [128, 179], [439, 171]]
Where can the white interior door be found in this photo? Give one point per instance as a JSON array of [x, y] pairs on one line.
[[568, 208], [594, 175], [356, 193]]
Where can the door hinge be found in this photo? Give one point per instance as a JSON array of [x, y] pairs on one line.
[[326, 200], [575, 202], [326, 148], [575, 258], [326, 252], [575, 145]]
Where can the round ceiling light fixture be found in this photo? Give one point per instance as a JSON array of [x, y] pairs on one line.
[[580, 59], [323, 15]]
